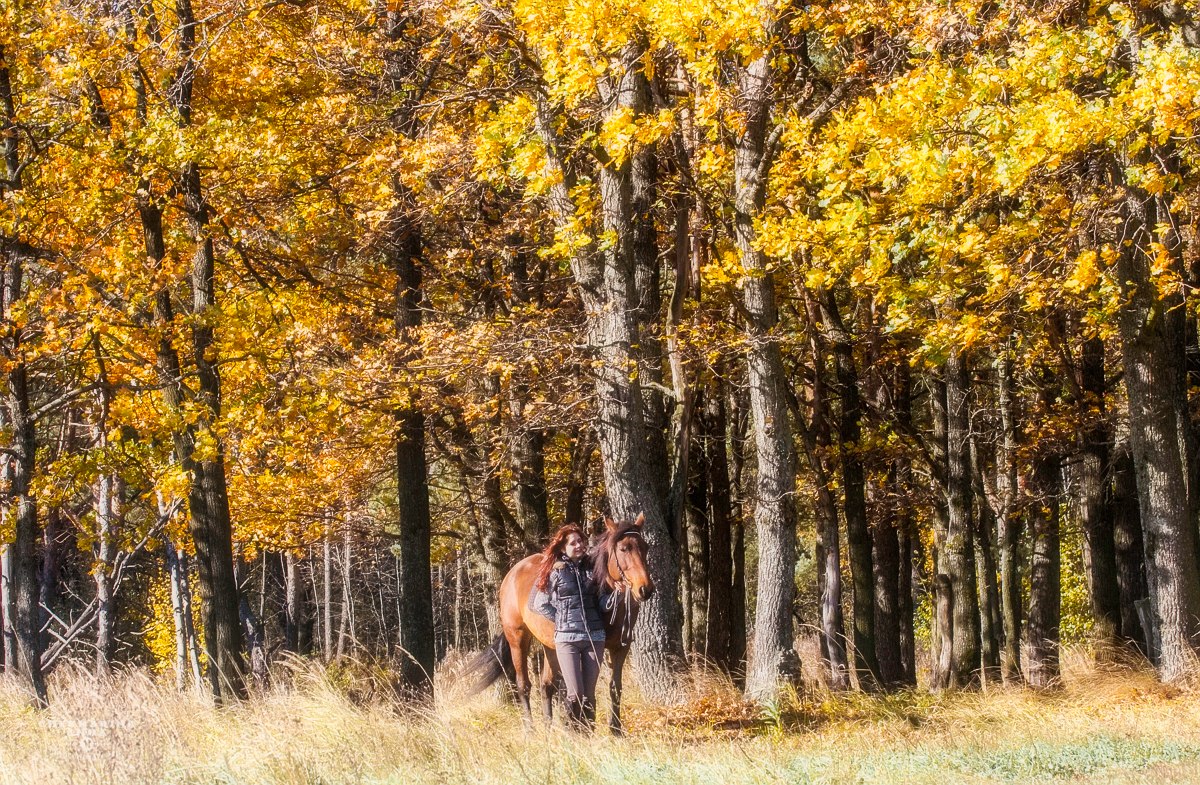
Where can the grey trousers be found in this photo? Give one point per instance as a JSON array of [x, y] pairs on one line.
[[580, 665]]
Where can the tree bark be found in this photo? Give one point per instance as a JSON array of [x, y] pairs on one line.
[[858, 533], [1008, 524], [102, 572], [1152, 347], [720, 622], [1128, 546], [773, 659], [886, 565], [633, 481], [697, 544], [990, 624], [1045, 595], [22, 616], [1095, 497], [956, 552]]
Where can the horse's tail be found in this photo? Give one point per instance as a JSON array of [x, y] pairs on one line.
[[492, 663]]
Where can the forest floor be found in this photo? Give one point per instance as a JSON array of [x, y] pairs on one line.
[[1113, 725]]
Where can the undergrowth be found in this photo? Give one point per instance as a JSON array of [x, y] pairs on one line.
[[342, 725]]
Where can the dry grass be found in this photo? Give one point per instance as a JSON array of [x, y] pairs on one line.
[[1107, 725]]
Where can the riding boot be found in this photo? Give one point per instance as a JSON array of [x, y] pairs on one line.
[[588, 710], [574, 714]]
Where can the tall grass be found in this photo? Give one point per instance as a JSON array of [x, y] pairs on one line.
[[316, 726]]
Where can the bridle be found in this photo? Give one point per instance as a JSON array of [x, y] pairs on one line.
[[630, 616], [617, 554]]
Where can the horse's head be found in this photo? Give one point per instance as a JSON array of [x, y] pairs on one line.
[[622, 557]]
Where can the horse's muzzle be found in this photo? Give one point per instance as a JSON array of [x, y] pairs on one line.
[[645, 592]]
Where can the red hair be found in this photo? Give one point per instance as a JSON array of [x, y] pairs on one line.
[[553, 552]]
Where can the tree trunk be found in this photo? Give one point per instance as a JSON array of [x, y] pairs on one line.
[[858, 532], [1128, 547], [293, 597], [577, 479], [1151, 329], [347, 598], [773, 659], [738, 426], [720, 622], [829, 566], [208, 499], [1008, 525], [102, 572], [633, 480], [1045, 595], [905, 606], [698, 548], [956, 554], [886, 565], [1095, 499], [990, 624], [327, 592], [182, 627], [22, 616], [529, 483]]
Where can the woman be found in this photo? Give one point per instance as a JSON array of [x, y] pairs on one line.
[[573, 600]]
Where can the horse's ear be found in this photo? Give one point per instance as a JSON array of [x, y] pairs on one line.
[[641, 520], [610, 524]]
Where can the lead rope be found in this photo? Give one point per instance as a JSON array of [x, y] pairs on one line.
[[626, 623]]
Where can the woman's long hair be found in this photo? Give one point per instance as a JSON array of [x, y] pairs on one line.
[[554, 552]]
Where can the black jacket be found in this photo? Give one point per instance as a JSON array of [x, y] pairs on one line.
[[574, 603]]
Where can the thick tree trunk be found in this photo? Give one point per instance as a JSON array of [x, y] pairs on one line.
[[635, 482], [1151, 329], [990, 624], [1128, 547], [577, 480], [906, 605], [720, 622], [1094, 496], [773, 658], [22, 616], [293, 597], [858, 534], [886, 565], [20, 569], [208, 500], [416, 617], [182, 625], [942, 676], [1045, 595], [529, 484], [1008, 525], [816, 441], [956, 552]]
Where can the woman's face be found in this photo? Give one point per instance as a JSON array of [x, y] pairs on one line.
[[575, 547]]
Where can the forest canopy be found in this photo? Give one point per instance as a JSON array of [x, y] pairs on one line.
[[320, 314]]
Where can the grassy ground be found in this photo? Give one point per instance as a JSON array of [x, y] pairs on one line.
[[1102, 727]]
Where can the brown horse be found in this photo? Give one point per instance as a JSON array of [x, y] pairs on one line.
[[618, 559]]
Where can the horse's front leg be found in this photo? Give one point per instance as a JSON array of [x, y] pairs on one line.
[[549, 684], [617, 655], [520, 649]]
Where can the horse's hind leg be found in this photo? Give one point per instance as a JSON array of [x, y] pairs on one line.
[[549, 684], [519, 643]]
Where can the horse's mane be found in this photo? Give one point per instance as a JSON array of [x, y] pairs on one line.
[[601, 551]]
